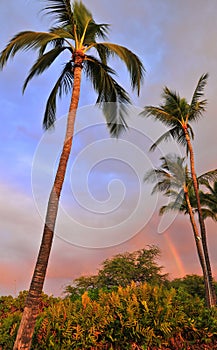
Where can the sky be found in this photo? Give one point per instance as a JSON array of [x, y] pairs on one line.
[[105, 207]]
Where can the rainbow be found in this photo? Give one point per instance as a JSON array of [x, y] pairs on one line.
[[175, 254]]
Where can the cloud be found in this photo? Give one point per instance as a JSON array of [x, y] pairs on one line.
[[21, 230]]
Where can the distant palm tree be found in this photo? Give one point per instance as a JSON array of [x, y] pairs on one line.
[[173, 179], [77, 33], [177, 114]]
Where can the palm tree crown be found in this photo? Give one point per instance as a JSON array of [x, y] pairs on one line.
[[173, 179], [76, 31], [177, 114]]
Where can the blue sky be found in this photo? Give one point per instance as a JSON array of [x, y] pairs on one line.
[[177, 43]]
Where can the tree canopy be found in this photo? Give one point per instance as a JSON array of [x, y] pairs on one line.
[[139, 266]]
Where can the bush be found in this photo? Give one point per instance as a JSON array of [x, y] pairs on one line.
[[135, 317]]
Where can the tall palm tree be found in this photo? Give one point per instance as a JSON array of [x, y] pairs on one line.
[[177, 114], [174, 181], [75, 32]]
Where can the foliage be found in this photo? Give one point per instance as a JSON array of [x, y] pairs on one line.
[[10, 305], [8, 330], [139, 266], [10, 315], [141, 316], [192, 284], [208, 199]]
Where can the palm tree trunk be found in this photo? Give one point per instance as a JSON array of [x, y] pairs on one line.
[[31, 310], [200, 217], [208, 291]]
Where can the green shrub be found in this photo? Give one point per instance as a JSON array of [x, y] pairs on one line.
[[136, 317]]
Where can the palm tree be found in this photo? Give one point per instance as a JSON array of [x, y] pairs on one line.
[[76, 32], [174, 181], [177, 114]]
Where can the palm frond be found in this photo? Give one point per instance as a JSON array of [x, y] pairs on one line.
[[159, 113], [172, 161], [95, 31], [63, 85], [172, 193], [205, 183], [208, 213], [81, 15], [175, 133], [42, 63], [111, 96], [116, 112], [165, 209], [172, 169], [165, 180], [190, 130], [208, 176], [197, 112], [61, 11], [209, 199], [95, 69], [172, 206], [168, 186], [63, 34], [178, 204], [212, 189], [85, 24], [175, 166], [55, 43], [103, 53], [24, 41], [161, 186], [132, 62], [198, 106], [155, 174], [173, 104]]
